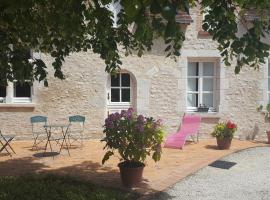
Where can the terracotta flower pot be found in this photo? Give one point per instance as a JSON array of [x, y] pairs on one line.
[[224, 143], [131, 173], [268, 135]]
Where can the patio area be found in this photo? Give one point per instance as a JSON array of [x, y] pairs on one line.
[[86, 163]]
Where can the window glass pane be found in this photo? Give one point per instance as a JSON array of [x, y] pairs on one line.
[[3, 91], [207, 84], [268, 69], [207, 100], [268, 98], [22, 90], [115, 95], [208, 69], [125, 80], [268, 84], [193, 84], [125, 95], [115, 80], [192, 100], [193, 69]]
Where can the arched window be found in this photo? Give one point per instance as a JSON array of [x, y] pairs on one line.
[[120, 88], [121, 92]]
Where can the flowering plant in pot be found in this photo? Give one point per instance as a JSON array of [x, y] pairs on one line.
[[224, 133], [134, 137], [267, 117]]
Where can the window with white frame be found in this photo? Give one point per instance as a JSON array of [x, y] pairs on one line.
[[16, 93], [22, 92], [201, 85], [120, 88]]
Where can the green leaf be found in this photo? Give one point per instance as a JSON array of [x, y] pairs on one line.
[[168, 48], [155, 8], [132, 8], [107, 156], [147, 3], [186, 5], [237, 69], [168, 12]]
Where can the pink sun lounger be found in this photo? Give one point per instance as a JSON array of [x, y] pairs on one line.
[[189, 127]]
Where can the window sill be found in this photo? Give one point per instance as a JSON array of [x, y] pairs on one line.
[[17, 105], [210, 115]]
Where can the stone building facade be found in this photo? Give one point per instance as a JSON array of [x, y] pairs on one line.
[[153, 85]]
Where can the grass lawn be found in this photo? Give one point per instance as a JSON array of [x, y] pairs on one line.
[[52, 187]]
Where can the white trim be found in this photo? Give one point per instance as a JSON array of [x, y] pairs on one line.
[[22, 100], [120, 87], [118, 106], [11, 99], [200, 78]]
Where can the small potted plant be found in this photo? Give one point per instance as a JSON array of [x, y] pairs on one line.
[[134, 137], [224, 133], [267, 117], [203, 108]]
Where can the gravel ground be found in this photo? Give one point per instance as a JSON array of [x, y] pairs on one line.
[[249, 179]]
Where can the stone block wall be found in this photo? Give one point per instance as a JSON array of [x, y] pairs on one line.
[[160, 90]]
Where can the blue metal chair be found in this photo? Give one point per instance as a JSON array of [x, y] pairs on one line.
[[77, 127], [38, 129]]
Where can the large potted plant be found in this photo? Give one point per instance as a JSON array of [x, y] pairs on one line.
[[134, 137], [267, 117], [224, 133]]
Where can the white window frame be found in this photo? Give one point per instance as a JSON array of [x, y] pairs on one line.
[[200, 85], [10, 95], [113, 107], [22, 99], [120, 87], [10, 90]]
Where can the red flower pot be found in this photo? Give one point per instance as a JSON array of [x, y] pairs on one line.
[[131, 173], [224, 143]]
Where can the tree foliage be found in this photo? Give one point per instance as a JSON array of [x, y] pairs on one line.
[[223, 19], [60, 27]]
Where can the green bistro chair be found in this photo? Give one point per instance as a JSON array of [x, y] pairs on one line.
[[76, 129], [38, 129]]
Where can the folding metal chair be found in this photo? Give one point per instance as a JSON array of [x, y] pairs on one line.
[[76, 128], [5, 141], [38, 129], [189, 127]]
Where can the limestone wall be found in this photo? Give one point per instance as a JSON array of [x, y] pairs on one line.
[[160, 90]]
